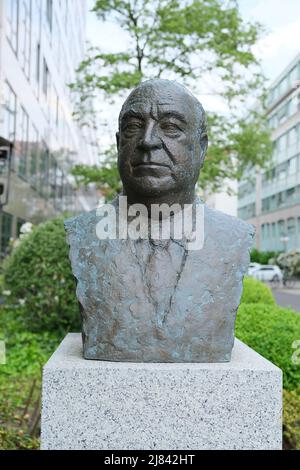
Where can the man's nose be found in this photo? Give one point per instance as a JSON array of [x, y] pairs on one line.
[[150, 140]]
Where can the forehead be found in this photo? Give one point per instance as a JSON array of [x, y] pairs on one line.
[[159, 100]]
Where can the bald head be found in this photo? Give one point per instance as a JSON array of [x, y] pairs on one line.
[[166, 92]]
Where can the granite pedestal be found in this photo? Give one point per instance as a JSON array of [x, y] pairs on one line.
[[130, 406]]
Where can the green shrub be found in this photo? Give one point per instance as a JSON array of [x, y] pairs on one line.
[[39, 277], [20, 381], [12, 439], [262, 257], [291, 420], [255, 291], [271, 331]]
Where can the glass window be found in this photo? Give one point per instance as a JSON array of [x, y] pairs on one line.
[[281, 198], [59, 182], [283, 85], [58, 44], [293, 105], [294, 75], [281, 228], [282, 142], [45, 78], [49, 12], [22, 138], [291, 226], [25, 35], [34, 156], [35, 45], [265, 204], [6, 231], [281, 171], [38, 62], [290, 195], [293, 165], [44, 170], [283, 113], [52, 176], [273, 202], [293, 135], [57, 112], [12, 15], [9, 113]]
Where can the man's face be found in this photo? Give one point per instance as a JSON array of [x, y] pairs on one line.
[[158, 144]]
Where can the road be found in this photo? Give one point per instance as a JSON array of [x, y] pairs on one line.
[[288, 298]]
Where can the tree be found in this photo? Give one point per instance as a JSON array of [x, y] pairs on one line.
[[206, 45], [106, 177]]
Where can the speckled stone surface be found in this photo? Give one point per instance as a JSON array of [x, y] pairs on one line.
[[131, 406]]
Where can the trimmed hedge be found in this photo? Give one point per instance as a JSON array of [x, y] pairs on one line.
[[291, 420], [38, 275], [271, 331], [255, 291]]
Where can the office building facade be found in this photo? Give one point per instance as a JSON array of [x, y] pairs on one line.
[[41, 44], [271, 199]]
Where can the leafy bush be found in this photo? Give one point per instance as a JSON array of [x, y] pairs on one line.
[[290, 262], [20, 381], [262, 257], [291, 420], [10, 439], [271, 331], [39, 278], [255, 291]]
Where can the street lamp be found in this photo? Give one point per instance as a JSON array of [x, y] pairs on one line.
[[285, 239]]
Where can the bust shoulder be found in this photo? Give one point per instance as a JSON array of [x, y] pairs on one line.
[[228, 237], [77, 227], [227, 224]]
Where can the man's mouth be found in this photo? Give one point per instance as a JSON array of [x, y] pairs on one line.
[[151, 164], [151, 169]]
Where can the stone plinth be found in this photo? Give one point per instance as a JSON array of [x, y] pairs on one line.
[[120, 406]]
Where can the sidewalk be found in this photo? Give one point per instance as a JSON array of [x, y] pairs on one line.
[[289, 298]]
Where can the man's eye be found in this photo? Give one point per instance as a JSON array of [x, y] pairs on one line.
[[170, 128], [132, 126]]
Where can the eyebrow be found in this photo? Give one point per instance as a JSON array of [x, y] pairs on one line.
[[165, 114], [174, 114], [132, 113]]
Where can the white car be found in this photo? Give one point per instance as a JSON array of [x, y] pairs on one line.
[[268, 273], [252, 267]]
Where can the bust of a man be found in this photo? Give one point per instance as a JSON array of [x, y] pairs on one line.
[[154, 298]]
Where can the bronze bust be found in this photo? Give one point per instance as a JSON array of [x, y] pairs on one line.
[[150, 299]]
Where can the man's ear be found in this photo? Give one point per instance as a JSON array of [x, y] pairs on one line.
[[117, 139], [203, 147]]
